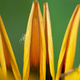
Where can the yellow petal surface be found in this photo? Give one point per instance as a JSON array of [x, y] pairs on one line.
[[74, 75], [67, 53], [2, 58], [49, 42], [2, 75], [7, 57], [8, 77], [34, 46], [43, 49], [26, 63]]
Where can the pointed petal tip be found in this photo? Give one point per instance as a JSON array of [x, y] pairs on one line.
[[46, 4], [35, 2], [78, 5]]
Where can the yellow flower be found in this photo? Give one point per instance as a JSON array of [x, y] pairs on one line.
[[38, 61], [8, 65], [38, 46]]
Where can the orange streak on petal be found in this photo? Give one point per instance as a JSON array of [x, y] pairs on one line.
[[35, 38], [5, 53]]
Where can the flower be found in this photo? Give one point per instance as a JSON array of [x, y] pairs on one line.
[[38, 49]]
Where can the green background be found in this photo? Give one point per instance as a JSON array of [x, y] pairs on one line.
[[15, 15]]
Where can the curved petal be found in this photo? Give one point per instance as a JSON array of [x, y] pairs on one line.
[[43, 49], [34, 47], [67, 53], [49, 42], [7, 52], [26, 63], [2, 58]]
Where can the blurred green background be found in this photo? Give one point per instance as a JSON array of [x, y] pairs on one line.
[[15, 15]]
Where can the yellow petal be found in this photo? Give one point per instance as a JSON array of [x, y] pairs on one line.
[[2, 58], [26, 63], [7, 58], [67, 53], [75, 75], [49, 42], [79, 68], [2, 75], [34, 46], [72, 74], [8, 77], [43, 49]]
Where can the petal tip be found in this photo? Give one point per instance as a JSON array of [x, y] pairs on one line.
[[78, 5], [46, 4], [35, 2]]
